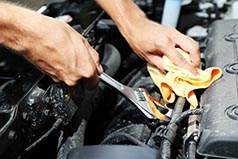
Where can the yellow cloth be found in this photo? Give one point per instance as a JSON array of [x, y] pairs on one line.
[[178, 81]]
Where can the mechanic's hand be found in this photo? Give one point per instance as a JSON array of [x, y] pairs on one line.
[[53, 46], [63, 54], [151, 41], [148, 39]]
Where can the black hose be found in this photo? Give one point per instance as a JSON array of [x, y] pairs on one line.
[[121, 136], [191, 148], [54, 127], [187, 113], [165, 146]]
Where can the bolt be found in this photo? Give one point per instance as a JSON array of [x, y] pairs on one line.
[[12, 135], [25, 116], [195, 138], [33, 124]]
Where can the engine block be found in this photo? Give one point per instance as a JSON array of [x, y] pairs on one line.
[[218, 127]]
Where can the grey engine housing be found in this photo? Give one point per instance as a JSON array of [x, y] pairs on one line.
[[219, 123]]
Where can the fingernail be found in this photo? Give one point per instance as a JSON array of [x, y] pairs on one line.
[[100, 68]]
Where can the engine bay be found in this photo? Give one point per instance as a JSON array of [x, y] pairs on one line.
[[43, 119]]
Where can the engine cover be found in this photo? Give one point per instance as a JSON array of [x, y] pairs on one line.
[[219, 123]]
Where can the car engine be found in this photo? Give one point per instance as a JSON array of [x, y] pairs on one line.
[[43, 119]]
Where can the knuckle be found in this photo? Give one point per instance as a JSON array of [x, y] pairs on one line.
[[70, 82], [89, 73], [68, 78], [85, 41], [197, 62], [164, 43], [96, 57], [172, 29], [195, 45], [55, 79], [173, 32], [167, 42], [180, 62]]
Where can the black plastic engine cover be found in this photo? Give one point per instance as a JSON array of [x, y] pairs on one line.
[[219, 123]]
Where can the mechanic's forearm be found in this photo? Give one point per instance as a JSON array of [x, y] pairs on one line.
[[11, 30], [125, 14], [17, 27]]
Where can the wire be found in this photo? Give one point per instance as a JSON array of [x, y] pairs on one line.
[[54, 127], [165, 148], [186, 113]]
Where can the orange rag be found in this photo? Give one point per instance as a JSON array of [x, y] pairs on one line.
[[179, 81]]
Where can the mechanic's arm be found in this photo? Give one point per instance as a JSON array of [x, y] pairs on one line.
[[53, 46], [148, 39]]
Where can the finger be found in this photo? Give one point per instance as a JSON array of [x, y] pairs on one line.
[[95, 57], [68, 79], [90, 75], [191, 46], [179, 60], [157, 61], [55, 78]]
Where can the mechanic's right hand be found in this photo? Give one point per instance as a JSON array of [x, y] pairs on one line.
[[53, 46], [150, 40]]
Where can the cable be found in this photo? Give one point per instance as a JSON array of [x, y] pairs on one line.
[[185, 114], [54, 127], [165, 148]]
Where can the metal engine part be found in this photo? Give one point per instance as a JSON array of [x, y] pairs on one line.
[[218, 127]]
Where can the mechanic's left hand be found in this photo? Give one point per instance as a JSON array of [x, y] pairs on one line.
[[53, 46]]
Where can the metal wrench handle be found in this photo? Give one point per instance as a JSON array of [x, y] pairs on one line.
[[129, 93], [112, 82]]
